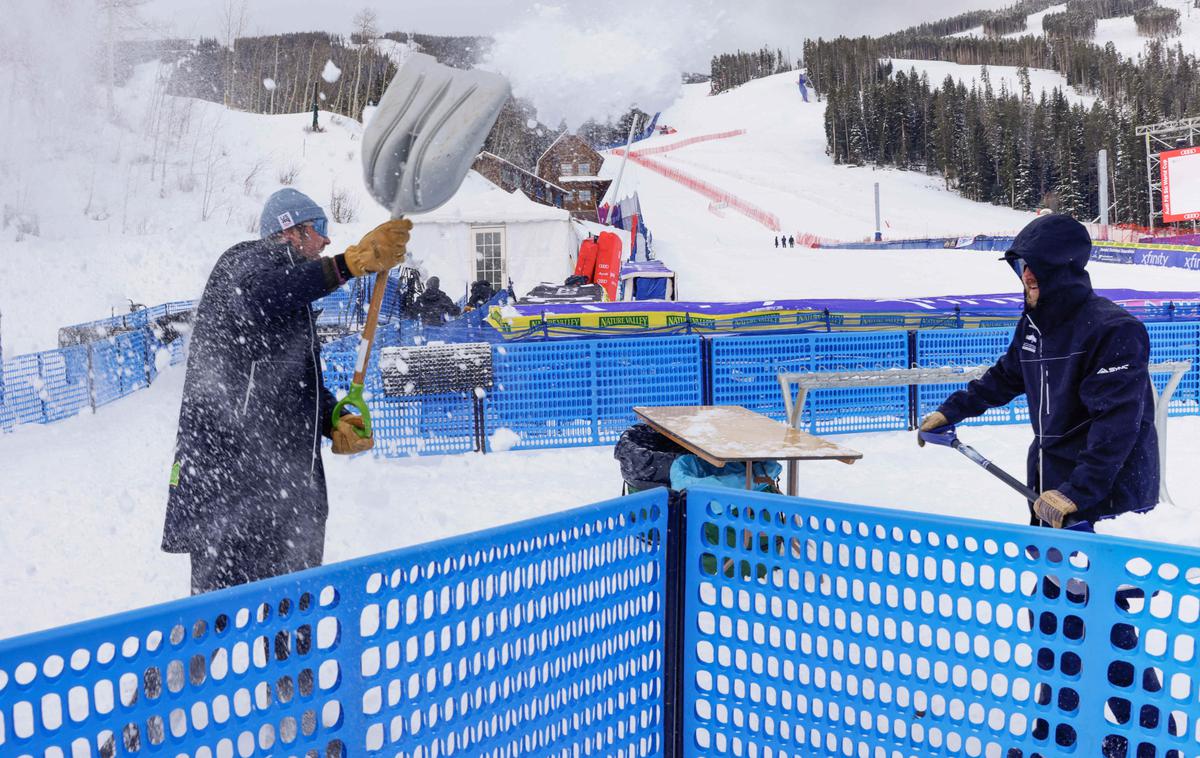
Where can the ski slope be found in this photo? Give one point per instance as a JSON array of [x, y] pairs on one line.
[[779, 164], [1120, 31]]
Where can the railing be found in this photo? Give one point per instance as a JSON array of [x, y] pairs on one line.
[[720, 623], [530, 639]]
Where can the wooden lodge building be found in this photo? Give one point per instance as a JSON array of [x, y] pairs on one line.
[[570, 162]]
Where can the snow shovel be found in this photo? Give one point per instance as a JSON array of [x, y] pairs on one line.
[[946, 436], [429, 126]]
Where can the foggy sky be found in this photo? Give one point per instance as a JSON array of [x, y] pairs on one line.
[[748, 23]]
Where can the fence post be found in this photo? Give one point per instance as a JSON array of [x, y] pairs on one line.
[[828, 328], [91, 376], [41, 393], [913, 396], [673, 683]]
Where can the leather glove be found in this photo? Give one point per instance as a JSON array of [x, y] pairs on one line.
[[381, 249], [933, 421], [1052, 507], [346, 441]]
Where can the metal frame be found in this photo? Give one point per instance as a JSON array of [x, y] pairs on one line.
[[1162, 136], [917, 376]]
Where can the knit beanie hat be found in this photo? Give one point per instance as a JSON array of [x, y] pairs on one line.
[[285, 209]]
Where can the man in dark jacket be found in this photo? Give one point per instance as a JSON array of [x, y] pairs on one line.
[[1082, 362], [247, 493], [434, 307]]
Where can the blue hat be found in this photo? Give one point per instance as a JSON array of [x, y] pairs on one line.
[[285, 209]]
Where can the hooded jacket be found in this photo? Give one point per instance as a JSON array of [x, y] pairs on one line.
[[1082, 362], [248, 450]]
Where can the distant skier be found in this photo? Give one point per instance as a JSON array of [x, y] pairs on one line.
[[247, 492], [802, 83], [791, 241], [776, 242], [1081, 361]]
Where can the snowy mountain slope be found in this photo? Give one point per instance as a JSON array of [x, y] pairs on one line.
[[780, 165], [1040, 79], [1121, 31]]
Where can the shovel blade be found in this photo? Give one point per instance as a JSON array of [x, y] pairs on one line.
[[429, 126]]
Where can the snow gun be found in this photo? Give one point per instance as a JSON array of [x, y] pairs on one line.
[[417, 148]]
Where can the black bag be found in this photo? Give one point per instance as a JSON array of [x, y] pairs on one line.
[[646, 457]]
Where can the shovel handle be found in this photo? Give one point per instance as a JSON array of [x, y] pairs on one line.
[[943, 435], [354, 399]]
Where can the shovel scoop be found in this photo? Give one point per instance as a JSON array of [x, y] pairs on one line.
[[429, 126]]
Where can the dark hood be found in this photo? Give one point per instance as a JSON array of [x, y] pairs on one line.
[[1056, 248]]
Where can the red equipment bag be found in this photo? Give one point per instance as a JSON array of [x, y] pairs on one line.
[[608, 263], [585, 265]]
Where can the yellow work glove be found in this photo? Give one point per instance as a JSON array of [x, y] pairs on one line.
[[346, 441], [1052, 507], [381, 249], [933, 421]]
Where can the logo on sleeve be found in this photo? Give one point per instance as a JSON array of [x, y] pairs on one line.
[[1113, 369]]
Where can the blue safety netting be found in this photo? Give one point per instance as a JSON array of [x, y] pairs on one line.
[[817, 628], [744, 372], [537, 638]]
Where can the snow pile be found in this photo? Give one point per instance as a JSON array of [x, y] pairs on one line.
[[503, 440]]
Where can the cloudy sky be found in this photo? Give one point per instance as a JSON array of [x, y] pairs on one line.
[[782, 23]]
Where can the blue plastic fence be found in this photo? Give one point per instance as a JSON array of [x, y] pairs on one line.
[[550, 394], [54, 384], [744, 370], [814, 628], [539, 638]]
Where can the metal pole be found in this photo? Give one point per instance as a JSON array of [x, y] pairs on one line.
[[1102, 172], [1149, 184], [633, 122], [878, 224]]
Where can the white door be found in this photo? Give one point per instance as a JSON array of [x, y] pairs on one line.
[[490, 259]]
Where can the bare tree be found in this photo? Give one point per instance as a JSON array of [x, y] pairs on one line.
[[233, 23], [120, 16], [367, 29]]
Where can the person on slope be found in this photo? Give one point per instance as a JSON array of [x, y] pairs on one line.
[[1082, 362], [247, 494], [802, 83]]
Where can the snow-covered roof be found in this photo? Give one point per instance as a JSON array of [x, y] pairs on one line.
[[527, 172], [573, 179], [478, 201]]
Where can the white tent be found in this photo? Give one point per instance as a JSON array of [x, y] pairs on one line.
[[485, 232]]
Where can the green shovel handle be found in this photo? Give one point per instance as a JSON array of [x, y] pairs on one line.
[[354, 399]]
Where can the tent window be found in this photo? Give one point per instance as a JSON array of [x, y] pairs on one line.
[[489, 255]]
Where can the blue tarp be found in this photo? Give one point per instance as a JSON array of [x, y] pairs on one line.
[[690, 471]]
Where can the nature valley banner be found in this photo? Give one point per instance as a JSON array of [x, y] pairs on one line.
[[943, 311]]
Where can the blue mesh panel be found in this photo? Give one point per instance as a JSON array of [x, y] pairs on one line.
[[646, 371], [423, 425], [65, 382], [814, 628], [964, 348], [744, 373], [539, 638], [21, 389], [545, 391], [1178, 342], [118, 366]]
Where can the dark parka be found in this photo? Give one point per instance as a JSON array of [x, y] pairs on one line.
[[1081, 361], [248, 454]]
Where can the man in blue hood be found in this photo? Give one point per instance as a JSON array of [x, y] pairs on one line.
[[1082, 362]]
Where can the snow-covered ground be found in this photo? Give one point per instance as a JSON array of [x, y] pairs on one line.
[[1040, 79], [84, 499], [1121, 31], [780, 165]]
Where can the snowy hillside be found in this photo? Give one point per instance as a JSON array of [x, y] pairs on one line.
[[1040, 79], [779, 165], [1121, 31]]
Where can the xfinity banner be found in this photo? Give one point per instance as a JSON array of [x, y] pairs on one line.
[[1181, 257]]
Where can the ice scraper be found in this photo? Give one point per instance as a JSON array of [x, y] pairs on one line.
[[429, 126]]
